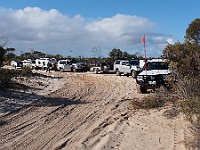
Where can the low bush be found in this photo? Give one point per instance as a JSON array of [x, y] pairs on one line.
[[7, 76], [147, 102]]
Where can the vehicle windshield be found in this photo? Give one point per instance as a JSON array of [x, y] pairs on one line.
[[157, 66]]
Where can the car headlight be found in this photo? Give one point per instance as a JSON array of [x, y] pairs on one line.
[[163, 77], [152, 78], [140, 78]]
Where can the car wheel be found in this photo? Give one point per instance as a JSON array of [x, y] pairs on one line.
[[73, 69], [61, 70], [96, 71], [118, 73], [143, 90], [133, 74]]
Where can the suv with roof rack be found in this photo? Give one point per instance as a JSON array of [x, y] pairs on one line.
[[153, 75]]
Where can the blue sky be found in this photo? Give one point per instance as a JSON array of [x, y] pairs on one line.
[[77, 27]]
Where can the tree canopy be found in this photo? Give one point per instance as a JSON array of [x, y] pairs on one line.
[[193, 32], [185, 62]]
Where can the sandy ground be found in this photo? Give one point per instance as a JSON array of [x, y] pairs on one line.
[[85, 111]]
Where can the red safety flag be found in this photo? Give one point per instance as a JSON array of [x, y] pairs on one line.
[[143, 39], [32, 50]]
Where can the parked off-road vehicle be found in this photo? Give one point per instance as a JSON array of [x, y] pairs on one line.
[[17, 64], [100, 68], [41, 63], [64, 65], [69, 65], [126, 67], [153, 75], [79, 66]]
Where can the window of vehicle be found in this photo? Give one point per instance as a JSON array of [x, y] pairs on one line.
[[124, 63], [117, 62], [62, 62], [134, 62], [157, 65]]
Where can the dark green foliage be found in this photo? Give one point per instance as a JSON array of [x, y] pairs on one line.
[[26, 72], [147, 103], [7, 76], [185, 62], [2, 53], [193, 32]]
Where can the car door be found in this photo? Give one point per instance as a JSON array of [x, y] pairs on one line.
[[125, 67], [67, 66]]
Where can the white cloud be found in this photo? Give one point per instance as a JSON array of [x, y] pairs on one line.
[[53, 32], [170, 40]]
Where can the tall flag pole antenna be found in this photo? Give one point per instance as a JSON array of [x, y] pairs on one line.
[[144, 41]]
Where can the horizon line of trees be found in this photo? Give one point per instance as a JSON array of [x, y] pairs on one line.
[[7, 55]]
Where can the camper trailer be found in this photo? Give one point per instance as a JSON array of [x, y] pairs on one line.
[[41, 63]]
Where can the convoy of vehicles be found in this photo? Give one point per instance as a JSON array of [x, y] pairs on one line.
[[151, 76]]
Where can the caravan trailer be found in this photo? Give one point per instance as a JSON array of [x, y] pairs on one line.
[[41, 63]]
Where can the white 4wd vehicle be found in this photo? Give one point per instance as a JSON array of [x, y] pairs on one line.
[[100, 67], [64, 65], [126, 67], [153, 75], [67, 65]]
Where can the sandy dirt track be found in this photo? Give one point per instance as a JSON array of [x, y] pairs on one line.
[[85, 111]]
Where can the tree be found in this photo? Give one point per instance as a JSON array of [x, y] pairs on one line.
[[2, 53], [185, 60], [97, 51], [186, 55], [3, 42], [116, 54], [193, 32], [58, 57]]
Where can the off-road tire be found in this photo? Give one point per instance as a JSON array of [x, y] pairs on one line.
[[61, 70], [141, 89], [133, 74], [96, 71], [118, 73], [73, 70]]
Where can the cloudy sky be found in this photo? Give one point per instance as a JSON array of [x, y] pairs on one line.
[[77, 27]]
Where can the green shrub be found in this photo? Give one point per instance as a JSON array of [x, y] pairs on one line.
[[6, 76], [148, 102], [26, 72], [185, 60]]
